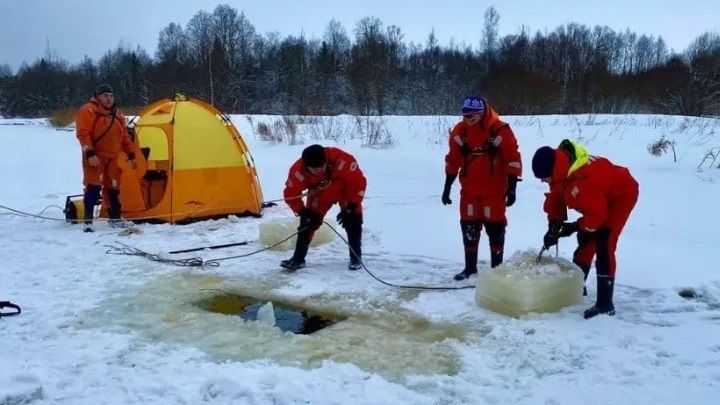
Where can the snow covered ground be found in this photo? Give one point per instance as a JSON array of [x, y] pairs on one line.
[[99, 328]]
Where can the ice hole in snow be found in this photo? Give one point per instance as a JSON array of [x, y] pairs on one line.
[[521, 285], [285, 317], [274, 230], [377, 334]]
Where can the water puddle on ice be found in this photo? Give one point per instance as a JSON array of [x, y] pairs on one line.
[[377, 335]]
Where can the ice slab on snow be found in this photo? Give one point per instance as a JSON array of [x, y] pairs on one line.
[[275, 230], [522, 285]]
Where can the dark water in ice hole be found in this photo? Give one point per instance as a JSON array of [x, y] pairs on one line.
[[287, 318]]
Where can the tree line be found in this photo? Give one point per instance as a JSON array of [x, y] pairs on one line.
[[221, 58]]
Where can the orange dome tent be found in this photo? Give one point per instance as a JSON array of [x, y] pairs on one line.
[[196, 165]]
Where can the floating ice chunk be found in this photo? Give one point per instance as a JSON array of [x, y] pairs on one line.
[[521, 285], [275, 230], [266, 314]]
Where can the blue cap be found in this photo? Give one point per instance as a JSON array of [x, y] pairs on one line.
[[473, 104]]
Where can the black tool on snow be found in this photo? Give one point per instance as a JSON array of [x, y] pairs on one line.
[[8, 304], [210, 247]]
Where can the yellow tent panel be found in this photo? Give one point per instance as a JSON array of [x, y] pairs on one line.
[[192, 164]]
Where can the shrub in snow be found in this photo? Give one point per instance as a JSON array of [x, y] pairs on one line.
[[661, 146], [266, 133], [711, 160], [283, 130], [62, 118], [290, 126], [373, 132]]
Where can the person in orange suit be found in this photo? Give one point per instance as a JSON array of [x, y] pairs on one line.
[[330, 175], [604, 193], [101, 130], [484, 153]]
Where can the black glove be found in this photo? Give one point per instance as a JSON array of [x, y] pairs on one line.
[[567, 229], [449, 179], [510, 195], [342, 216], [491, 146], [552, 235]]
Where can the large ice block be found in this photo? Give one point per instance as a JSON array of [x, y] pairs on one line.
[[275, 230], [522, 285]]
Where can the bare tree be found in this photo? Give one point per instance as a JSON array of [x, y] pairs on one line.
[[200, 36], [645, 53], [491, 20], [332, 63], [226, 29], [245, 39], [660, 53], [336, 37], [172, 45]]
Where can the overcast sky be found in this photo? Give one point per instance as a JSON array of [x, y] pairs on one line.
[[75, 28]]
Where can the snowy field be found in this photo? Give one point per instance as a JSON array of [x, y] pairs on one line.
[[99, 328]]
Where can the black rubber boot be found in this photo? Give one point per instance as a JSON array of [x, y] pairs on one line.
[[292, 265], [353, 227], [302, 245], [470, 265], [605, 282], [496, 236], [114, 209], [90, 199], [604, 302], [306, 230], [471, 238]]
